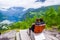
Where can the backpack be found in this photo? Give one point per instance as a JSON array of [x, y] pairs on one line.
[[38, 28]]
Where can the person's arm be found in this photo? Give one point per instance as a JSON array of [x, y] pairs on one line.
[[32, 27], [43, 24]]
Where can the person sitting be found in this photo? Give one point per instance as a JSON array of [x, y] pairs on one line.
[[33, 25], [38, 25]]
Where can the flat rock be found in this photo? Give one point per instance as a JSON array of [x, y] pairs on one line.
[[25, 36]]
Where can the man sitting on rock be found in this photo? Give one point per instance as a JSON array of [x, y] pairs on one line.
[[38, 26]]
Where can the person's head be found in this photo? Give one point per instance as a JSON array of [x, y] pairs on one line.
[[37, 20], [41, 19]]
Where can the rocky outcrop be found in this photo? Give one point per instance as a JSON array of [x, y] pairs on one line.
[[23, 35]]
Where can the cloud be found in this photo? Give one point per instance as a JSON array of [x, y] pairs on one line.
[[6, 22], [5, 4], [51, 2]]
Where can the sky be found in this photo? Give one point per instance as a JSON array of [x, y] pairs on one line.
[[6, 4]]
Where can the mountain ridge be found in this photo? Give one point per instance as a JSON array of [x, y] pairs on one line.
[[17, 13]]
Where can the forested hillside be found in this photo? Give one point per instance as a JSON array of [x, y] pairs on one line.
[[51, 17]]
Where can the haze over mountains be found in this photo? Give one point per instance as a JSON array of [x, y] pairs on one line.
[[16, 13]]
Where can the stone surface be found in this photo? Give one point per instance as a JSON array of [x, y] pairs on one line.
[[48, 35], [8, 36], [18, 36], [23, 35]]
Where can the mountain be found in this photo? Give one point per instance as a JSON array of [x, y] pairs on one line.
[[43, 9], [40, 0], [17, 14], [12, 14]]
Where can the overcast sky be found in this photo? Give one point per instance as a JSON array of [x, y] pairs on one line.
[[5, 4]]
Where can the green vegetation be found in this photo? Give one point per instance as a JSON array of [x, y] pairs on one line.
[[51, 16]]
